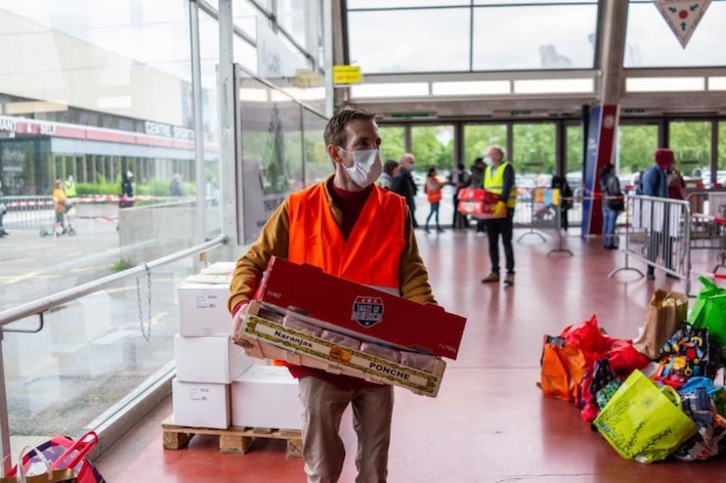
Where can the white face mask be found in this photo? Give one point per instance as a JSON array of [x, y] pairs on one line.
[[367, 167], [488, 161]]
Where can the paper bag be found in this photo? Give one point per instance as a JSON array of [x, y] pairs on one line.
[[667, 312]]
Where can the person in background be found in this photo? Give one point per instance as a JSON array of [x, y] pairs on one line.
[[404, 185], [460, 179], [499, 179], [389, 171], [175, 187], [433, 195], [70, 187], [59, 199], [566, 201], [3, 210], [477, 182], [345, 225], [127, 190], [612, 205], [676, 183], [654, 182]]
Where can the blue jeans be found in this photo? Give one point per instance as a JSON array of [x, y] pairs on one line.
[[608, 225], [435, 213]]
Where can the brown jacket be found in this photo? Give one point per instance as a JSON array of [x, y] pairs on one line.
[[273, 241]]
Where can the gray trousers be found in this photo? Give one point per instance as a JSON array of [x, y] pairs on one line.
[[323, 405]]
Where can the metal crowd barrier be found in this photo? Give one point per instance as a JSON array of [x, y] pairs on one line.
[[540, 209], [707, 206], [658, 233], [708, 222], [28, 212]]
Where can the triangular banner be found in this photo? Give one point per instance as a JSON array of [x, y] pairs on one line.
[[682, 16]]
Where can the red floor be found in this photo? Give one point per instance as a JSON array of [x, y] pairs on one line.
[[490, 422]]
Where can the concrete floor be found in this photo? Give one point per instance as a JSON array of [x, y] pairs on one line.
[[489, 422]]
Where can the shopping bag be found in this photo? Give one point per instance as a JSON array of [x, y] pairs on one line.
[[65, 453], [588, 337], [667, 312], [685, 355], [699, 406], [643, 422], [595, 380], [563, 367], [709, 311], [36, 468]]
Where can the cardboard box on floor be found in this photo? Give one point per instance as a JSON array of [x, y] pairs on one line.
[[360, 311], [270, 339], [266, 397], [201, 405]]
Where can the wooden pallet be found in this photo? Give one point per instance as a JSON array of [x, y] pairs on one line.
[[234, 440]]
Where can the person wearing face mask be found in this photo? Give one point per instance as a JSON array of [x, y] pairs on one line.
[[352, 229], [499, 179], [404, 185]]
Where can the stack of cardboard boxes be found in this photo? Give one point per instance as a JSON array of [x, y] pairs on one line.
[[216, 384]]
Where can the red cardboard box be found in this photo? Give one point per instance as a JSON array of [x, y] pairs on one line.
[[480, 204], [361, 311]]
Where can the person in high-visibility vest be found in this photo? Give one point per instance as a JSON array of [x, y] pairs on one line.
[[70, 187], [352, 229], [433, 195], [499, 179]]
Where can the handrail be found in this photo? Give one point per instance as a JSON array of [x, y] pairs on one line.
[[41, 305]]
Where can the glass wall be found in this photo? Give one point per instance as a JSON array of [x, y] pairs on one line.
[[477, 137], [561, 35], [651, 43], [433, 147], [635, 147], [691, 145], [101, 91], [393, 142], [533, 152], [573, 156]]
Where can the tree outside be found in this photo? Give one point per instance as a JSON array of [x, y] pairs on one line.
[[691, 145], [477, 137], [433, 147], [636, 145], [393, 142], [534, 148]]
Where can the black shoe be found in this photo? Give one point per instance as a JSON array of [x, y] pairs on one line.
[[650, 276], [670, 275]]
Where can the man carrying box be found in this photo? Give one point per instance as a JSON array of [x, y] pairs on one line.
[[354, 230]]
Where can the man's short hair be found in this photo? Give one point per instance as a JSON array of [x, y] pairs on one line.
[[335, 129]]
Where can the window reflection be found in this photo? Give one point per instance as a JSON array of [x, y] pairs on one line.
[[651, 43]]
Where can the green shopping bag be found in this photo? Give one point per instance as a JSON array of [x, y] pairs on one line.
[[644, 422], [709, 311]]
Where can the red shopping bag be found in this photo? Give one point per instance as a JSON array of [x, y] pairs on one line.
[[62, 452]]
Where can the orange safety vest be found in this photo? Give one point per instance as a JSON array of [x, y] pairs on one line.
[[433, 190], [372, 252]]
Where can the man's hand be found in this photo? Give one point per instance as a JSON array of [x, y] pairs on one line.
[[237, 323]]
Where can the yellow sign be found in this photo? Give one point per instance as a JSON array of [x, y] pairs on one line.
[[346, 74]]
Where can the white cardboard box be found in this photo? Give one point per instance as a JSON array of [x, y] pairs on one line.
[[266, 397], [203, 309], [209, 359], [201, 405]]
